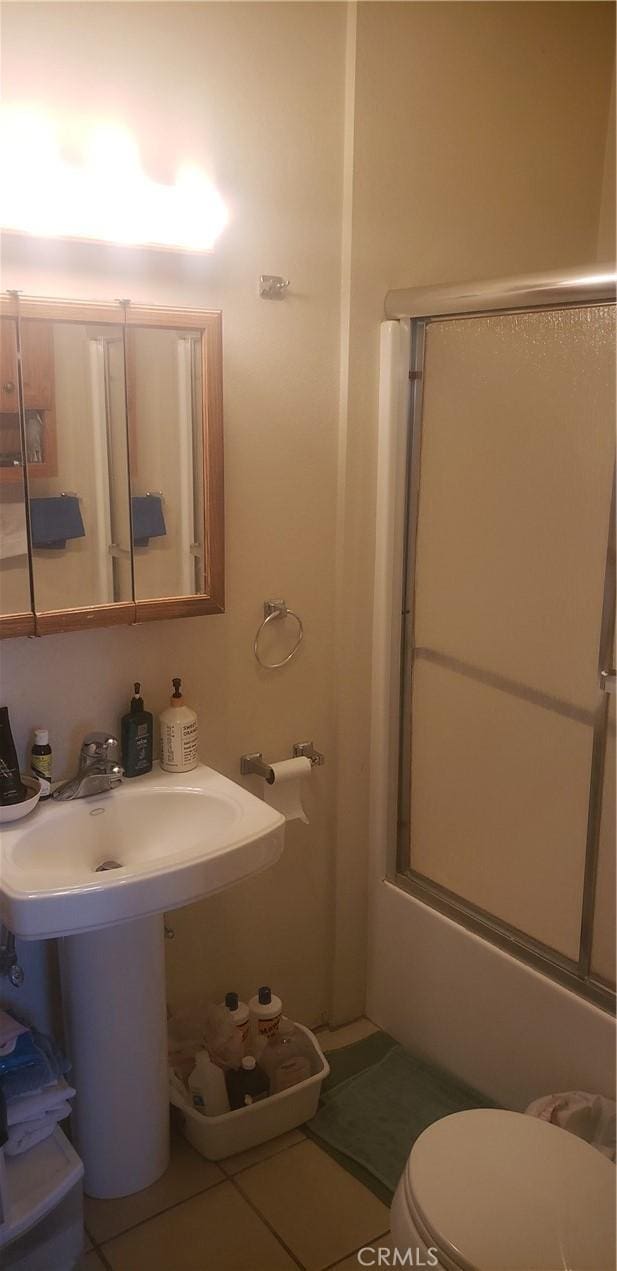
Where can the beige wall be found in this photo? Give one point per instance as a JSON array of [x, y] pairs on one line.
[[255, 93], [479, 151], [606, 225]]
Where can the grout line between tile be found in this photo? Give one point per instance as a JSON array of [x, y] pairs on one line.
[[104, 1262], [243, 1168], [165, 1210], [331, 1265], [268, 1224]]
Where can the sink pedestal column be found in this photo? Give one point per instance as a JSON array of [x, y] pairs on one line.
[[113, 990]]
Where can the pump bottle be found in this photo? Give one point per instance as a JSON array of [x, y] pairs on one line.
[[178, 734]]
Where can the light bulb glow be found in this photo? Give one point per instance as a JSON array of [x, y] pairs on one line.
[[108, 197]]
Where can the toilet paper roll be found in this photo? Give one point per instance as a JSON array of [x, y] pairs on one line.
[[284, 793]]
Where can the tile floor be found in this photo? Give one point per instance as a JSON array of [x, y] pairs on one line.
[[277, 1207]]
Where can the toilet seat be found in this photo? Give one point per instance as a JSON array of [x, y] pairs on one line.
[[501, 1191]]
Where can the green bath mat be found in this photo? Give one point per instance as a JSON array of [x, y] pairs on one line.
[[371, 1119]]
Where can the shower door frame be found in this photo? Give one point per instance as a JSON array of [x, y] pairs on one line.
[[421, 306]]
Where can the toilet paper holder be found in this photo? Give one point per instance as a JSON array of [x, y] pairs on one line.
[[254, 764], [306, 750]]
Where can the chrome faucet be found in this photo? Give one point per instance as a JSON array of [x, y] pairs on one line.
[[98, 770]]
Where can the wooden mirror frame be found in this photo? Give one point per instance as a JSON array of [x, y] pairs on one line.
[[127, 315]]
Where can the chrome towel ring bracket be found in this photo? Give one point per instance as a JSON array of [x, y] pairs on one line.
[[273, 610]]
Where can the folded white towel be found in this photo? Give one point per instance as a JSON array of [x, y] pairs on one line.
[[592, 1117], [10, 1030], [30, 1107], [28, 1133]]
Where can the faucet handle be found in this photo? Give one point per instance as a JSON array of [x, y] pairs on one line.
[[99, 745]]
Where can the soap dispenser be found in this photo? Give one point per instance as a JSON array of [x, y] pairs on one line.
[[178, 734], [137, 729]]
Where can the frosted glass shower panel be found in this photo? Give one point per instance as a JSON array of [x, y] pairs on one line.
[[516, 467], [603, 947], [499, 796], [506, 595]]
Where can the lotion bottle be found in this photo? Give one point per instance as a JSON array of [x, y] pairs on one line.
[[40, 761], [178, 734]]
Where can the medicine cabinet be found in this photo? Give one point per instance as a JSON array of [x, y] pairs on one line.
[[111, 464]]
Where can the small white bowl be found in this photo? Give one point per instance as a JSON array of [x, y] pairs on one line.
[[15, 811]]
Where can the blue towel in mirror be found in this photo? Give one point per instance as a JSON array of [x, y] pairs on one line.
[[55, 519], [148, 519]]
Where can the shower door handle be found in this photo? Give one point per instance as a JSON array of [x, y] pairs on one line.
[[608, 681]]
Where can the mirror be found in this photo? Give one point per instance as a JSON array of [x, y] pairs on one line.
[[167, 464], [14, 567], [117, 426], [77, 463]]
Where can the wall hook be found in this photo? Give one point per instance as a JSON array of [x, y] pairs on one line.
[[272, 286]]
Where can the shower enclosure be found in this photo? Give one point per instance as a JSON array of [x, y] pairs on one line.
[[494, 682]]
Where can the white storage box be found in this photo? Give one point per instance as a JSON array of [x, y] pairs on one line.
[[42, 1207], [216, 1137]]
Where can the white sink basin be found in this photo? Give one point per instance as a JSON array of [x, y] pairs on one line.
[[174, 839], [165, 841]]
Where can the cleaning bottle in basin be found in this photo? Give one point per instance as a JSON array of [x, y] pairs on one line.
[[246, 1084], [265, 1010], [207, 1086], [287, 1058], [178, 734], [239, 1013]]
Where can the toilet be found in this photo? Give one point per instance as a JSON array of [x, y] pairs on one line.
[[487, 1190]]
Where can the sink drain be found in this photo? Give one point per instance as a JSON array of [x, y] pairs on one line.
[[100, 869]]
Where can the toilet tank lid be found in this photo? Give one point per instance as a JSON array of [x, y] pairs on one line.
[[500, 1191]]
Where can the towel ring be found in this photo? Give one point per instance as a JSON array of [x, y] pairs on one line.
[[277, 609]]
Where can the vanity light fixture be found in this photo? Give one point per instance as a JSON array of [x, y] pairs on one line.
[[107, 197]]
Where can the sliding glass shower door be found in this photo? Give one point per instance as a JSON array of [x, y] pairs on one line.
[[507, 774]]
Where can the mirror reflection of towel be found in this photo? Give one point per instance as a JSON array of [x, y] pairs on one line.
[[13, 541], [53, 520], [148, 519]]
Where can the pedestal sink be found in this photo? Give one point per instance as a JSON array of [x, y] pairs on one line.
[[99, 873]]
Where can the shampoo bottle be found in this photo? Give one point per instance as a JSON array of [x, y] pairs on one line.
[[178, 734], [137, 727]]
